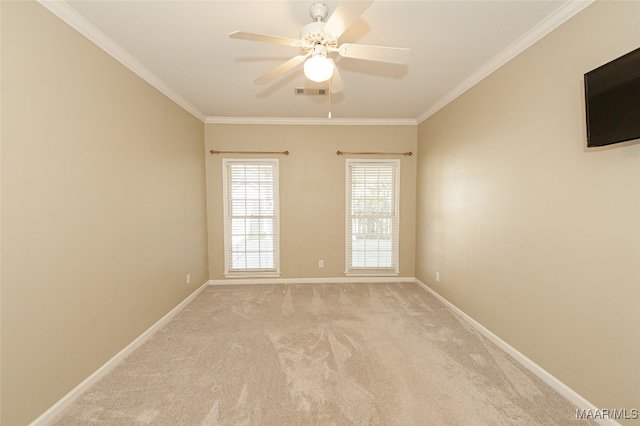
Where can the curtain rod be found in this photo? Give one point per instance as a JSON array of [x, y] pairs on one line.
[[376, 153], [213, 151]]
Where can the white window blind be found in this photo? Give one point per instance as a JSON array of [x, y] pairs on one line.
[[251, 216], [372, 216]]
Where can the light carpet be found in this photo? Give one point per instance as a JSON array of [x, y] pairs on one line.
[[319, 354]]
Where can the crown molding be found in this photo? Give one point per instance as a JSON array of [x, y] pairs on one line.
[[314, 121], [69, 15], [553, 21]]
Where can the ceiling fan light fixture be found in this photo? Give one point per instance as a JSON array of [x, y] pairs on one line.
[[318, 68], [319, 38]]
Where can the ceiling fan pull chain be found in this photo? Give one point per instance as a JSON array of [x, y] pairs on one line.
[[329, 98]]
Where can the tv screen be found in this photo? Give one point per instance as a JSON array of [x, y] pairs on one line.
[[612, 97]]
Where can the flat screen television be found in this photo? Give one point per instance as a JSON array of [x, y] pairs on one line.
[[612, 98]]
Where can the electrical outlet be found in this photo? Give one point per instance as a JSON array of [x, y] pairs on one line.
[[438, 276], [188, 278], [320, 263]]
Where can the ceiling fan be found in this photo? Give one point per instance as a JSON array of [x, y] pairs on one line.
[[320, 38]]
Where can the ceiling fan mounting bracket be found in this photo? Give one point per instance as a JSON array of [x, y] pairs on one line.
[[319, 11]]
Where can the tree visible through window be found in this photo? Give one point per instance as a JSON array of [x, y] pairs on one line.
[[372, 216], [251, 216]]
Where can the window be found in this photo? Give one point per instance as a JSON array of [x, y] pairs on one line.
[[251, 220], [372, 216]]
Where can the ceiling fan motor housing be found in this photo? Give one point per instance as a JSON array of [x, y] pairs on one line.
[[312, 34]]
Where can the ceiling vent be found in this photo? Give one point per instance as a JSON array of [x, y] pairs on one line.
[[305, 91]]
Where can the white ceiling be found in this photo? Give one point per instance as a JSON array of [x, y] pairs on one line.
[[182, 48]]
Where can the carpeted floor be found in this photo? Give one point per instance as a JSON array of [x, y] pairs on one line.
[[319, 354]]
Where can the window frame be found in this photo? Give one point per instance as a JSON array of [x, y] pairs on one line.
[[394, 269], [229, 271]]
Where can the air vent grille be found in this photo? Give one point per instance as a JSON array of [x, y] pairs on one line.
[[306, 91]]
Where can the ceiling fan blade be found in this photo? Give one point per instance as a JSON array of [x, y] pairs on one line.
[[395, 55], [336, 84], [281, 69], [241, 35], [344, 15]]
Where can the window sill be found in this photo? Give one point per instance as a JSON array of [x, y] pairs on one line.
[[372, 274], [251, 274]]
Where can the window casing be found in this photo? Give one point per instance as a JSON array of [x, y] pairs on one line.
[[372, 217], [251, 217]]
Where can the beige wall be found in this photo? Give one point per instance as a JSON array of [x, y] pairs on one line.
[[0, 215], [103, 208], [533, 235], [312, 198]]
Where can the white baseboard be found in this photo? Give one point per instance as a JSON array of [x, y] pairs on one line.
[[564, 390], [338, 280], [66, 400]]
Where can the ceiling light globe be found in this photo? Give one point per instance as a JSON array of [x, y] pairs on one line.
[[318, 68]]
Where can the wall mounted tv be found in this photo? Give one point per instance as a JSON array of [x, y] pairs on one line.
[[612, 98]]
